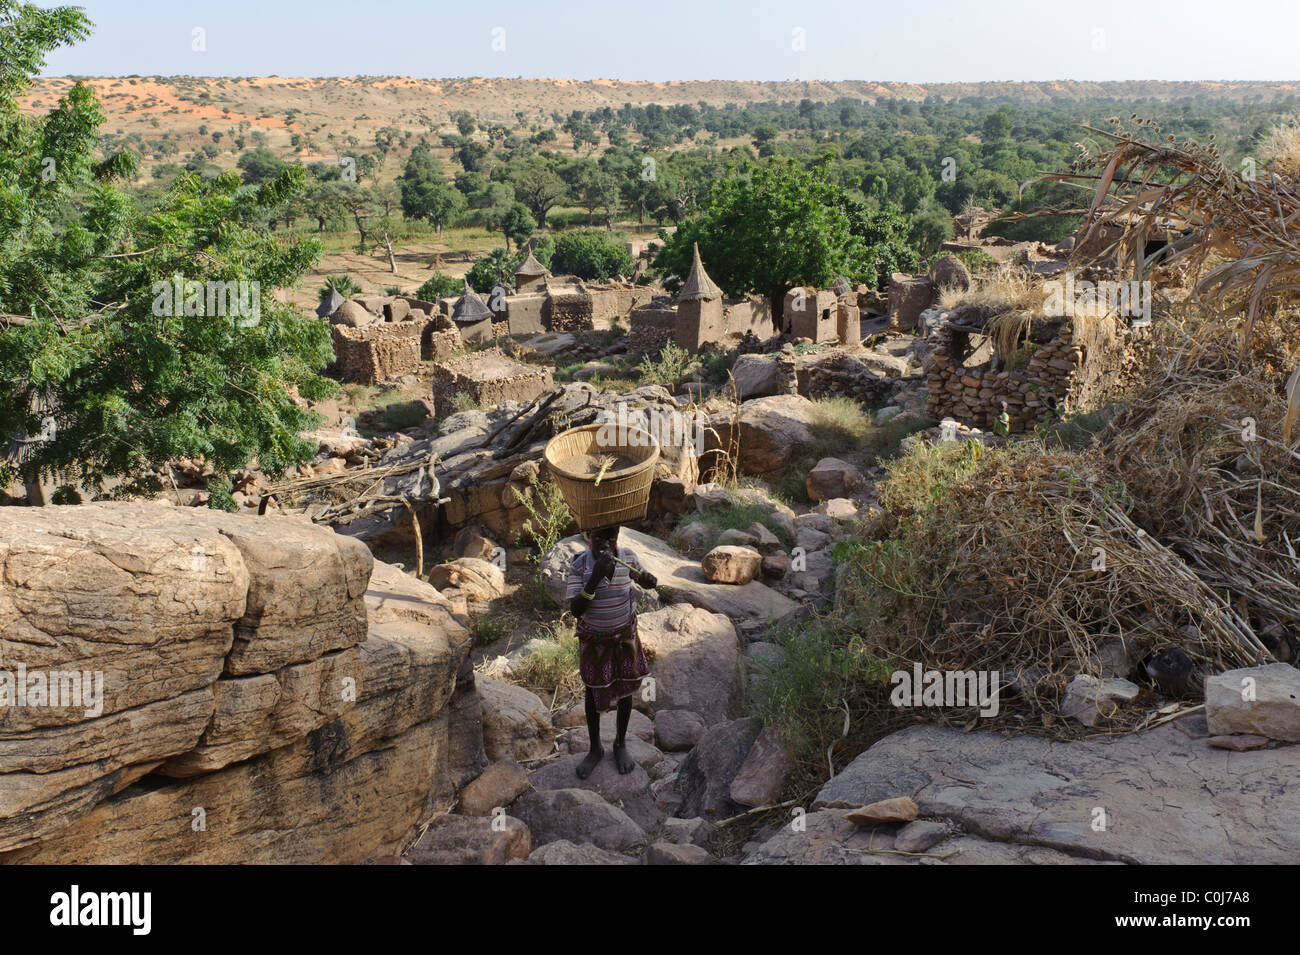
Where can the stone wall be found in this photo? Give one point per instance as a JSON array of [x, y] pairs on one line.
[[571, 310], [270, 694], [1061, 375], [753, 314], [489, 378]]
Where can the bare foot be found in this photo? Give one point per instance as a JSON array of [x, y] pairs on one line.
[[622, 760], [587, 765]]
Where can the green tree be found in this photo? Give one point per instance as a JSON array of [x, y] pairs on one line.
[[591, 254], [769, 228], [426, 194], [114, 376], [517, 224]]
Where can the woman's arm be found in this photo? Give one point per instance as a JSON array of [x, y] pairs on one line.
[[602, 568]]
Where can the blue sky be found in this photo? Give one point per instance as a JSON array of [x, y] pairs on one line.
[[899, 40]]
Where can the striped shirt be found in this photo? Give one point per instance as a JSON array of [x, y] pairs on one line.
[[614, 607]]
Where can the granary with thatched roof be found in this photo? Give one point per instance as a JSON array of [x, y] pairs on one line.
[[699, 309], [531, 275], [472, 317]]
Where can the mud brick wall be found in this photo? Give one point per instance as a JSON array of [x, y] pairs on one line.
[[487, 376], [752, 314], [375, 353], [1061, 376], [439, 345]]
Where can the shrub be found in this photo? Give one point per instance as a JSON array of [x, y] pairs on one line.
[[669, 370], [439, 286], [343, 284]]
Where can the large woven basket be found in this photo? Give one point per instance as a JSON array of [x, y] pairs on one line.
[[622, 495]]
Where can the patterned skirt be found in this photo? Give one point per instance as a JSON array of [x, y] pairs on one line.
[[611, 664]]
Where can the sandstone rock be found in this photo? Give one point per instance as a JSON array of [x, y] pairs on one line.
[[732, 537], [479, 580], [810, 539], [577, 815], [694, 660], [766, 541], [773, 432], [516, 724], [473, 542], [756, 376], [1263, 701], [708, 770], [832, 478], [838, 509], [896, 809], [696, 536], [471, 840], [948, 271], [919, 835], [564, 852], [727, 564], [1091, 701], [499, 785], [776, 566], [677, 730], [762, 776], [1028, 789], [695, 831], [712, 497], [671, 853]]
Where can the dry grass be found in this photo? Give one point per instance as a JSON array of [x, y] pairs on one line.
[[1280, 147]]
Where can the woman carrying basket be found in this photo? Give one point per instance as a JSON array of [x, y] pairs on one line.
[[610, 657]]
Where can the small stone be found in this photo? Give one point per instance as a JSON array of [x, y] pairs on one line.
[[919, 835], [732, 565], [499, 785], [671, 853], [734, 538], [1262, 701], [897, 809], [695, 830]]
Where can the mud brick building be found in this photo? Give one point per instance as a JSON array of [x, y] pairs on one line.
[[488, 377], [377, 353]]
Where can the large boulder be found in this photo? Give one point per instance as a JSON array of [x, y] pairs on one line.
[[948, 271], [694, 660], [252, 661], [773, 431], [763, 775], [708, 770], [577, 815], [471, 840], [1106, 798], [732, 564], [1263, 701], [756, 376], [832, 478], [480, 580], [516, 723]]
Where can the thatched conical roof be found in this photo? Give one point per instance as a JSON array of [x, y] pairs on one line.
[[698, 284], [469, 308], [531, 268], [330, 305]]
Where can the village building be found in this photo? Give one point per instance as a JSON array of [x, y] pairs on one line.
[[472, 317]]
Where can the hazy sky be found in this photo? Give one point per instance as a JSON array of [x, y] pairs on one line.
[[900, 40]]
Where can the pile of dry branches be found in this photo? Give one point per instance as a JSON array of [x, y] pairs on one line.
[[1027, 563]]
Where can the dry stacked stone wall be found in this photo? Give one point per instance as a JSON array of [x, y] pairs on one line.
[[1061, 375], [489, 377]]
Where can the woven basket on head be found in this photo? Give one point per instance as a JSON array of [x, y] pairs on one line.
[[622, 495]]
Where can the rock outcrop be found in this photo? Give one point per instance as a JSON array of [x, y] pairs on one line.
[[269, 693]]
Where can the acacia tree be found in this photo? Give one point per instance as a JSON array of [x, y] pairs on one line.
[[112, 387]]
